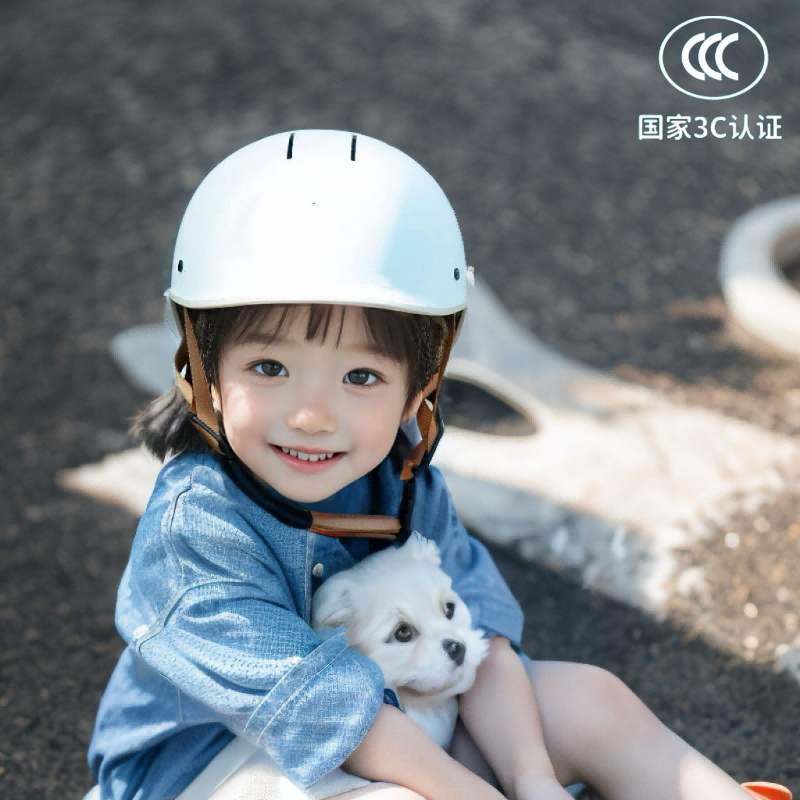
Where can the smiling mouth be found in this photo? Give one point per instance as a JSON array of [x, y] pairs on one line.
[[304, 457]]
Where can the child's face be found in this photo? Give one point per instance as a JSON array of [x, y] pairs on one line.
[[312, 398]]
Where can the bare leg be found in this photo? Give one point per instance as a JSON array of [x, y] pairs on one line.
[[596, 730], [260, 778], [380, 791], [464, 750]]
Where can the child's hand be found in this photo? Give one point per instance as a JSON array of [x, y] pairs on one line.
[[537, 786]]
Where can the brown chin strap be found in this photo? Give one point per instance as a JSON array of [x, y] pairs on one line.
[[191, 380]]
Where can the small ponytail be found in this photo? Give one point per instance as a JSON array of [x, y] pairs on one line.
[[164, 429]]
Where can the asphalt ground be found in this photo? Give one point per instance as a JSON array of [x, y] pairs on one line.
[[604, 245]]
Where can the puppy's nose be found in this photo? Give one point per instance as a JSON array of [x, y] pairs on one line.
[[455, 650]]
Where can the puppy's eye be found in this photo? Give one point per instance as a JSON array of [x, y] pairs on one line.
[[404, 633], [449, 610]]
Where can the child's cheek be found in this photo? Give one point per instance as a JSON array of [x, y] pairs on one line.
[[378, 426], [237, 410]]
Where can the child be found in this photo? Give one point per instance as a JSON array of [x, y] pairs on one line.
[[318, 283]]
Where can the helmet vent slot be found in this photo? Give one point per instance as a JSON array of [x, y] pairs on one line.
[[353, 148], [291, 145]]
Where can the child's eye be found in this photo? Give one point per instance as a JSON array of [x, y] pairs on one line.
[[449, 610], [360, 377], [271, 369]]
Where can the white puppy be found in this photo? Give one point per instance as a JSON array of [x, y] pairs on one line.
[[398, 608]]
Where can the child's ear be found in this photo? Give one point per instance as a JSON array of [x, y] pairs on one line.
[[215, 400], [417, 401]]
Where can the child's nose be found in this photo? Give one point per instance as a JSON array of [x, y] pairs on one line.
[[312, 419]]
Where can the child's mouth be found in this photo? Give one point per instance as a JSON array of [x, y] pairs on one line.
[[306, 464]]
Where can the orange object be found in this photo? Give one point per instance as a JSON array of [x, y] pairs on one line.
[[768, 791]]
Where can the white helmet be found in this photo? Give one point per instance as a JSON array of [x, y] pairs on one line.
[[318, 217]]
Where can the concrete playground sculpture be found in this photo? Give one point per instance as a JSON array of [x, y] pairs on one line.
[[757, 292]]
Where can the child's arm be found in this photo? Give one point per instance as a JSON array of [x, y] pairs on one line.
[[501, 715], [397, 750]]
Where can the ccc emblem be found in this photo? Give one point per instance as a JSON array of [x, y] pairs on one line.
[[689, 56]]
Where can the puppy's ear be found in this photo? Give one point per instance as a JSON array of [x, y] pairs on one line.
[[422, 549], [333, 603]]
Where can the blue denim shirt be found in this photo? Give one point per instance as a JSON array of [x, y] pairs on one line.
[[214, 606]]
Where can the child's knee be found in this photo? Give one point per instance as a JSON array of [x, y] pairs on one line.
[[586, 708], [608, 710]]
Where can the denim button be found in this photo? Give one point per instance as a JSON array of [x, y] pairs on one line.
[[318, 570]]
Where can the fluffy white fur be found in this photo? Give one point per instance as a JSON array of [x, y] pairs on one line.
[[394, 606]]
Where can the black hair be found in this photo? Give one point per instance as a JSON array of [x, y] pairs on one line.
[[414, 340]]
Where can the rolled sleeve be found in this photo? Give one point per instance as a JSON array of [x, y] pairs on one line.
[[339, 689], [264, 674]]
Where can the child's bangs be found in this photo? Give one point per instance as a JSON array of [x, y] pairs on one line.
[[413, 340], [390, 332]]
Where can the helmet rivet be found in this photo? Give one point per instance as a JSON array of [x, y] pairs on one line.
[[456, 273], [180, 266]]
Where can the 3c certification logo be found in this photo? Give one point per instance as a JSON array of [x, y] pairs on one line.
[[713, 58]]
